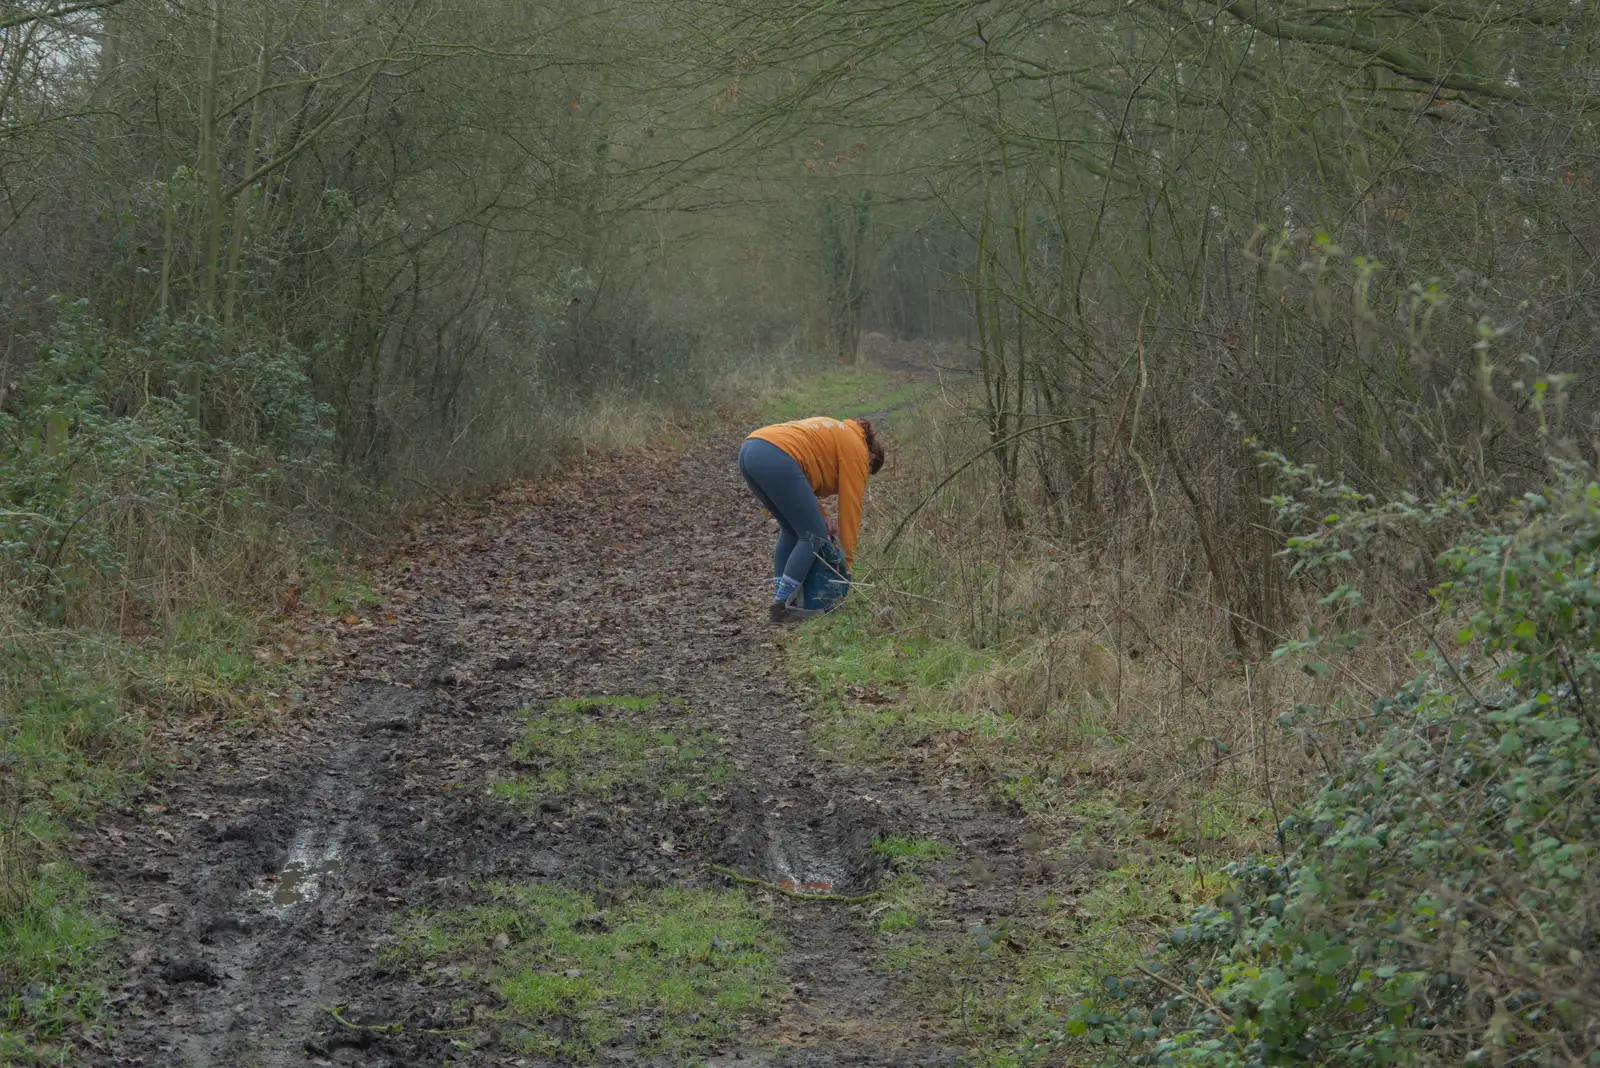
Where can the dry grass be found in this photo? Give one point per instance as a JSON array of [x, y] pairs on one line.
[[1095, 678], [1103, 660]]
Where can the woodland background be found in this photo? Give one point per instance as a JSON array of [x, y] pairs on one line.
[[1258, 321]]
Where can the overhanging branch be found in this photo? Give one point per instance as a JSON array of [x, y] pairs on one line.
[[1389, 54], [17, 15]]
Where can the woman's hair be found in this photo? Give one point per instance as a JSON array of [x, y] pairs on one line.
[[874, 446]]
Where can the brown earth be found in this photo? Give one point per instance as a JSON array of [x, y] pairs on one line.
[[261, 884]]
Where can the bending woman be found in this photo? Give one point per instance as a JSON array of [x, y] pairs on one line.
[[789, 467]]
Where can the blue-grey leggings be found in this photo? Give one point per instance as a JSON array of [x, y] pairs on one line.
[[781, 487]]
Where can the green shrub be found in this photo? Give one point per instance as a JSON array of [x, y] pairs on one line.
[[1436, 900], [118, 456]]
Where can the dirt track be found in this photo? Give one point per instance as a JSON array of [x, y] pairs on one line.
[[265, 888]]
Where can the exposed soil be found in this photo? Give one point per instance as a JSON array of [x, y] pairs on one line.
[[260, 886]]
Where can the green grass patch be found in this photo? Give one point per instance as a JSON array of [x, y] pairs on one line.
[[333, 590], [623, 701], [845, 649], [1008, 984], [1011, 985], [841, 394], [910, 851], [214, 661], [53, 963], [843, 656], [907, 904], [907, 901], [669, 972], [573, 749], [73, 744]]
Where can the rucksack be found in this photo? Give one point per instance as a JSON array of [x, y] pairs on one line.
[[827, 582]]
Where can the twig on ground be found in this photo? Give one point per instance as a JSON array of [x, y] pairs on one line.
[[837, 899], [418, 482], [388, 1028]]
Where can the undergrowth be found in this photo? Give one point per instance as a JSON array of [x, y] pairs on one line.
[[1374, 846], [1434, 902]]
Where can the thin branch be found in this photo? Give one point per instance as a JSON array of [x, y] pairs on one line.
[[1347, 38], [901, 526], [22, 17]]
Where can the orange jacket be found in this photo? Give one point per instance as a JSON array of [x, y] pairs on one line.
[[833, 454]]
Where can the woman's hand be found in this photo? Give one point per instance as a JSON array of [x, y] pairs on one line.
[[833, 526]]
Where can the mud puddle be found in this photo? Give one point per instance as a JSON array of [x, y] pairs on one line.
[[312, 857], [797, 864], [268, 935]]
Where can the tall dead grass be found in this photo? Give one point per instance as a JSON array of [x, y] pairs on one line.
[[1110, 658]]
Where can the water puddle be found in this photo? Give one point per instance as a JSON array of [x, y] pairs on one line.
[[312, 856], [797, 865]]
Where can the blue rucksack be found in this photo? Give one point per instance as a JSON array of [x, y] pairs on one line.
[[827, 582]]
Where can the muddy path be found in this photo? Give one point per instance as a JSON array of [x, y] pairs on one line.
[[264, 885]]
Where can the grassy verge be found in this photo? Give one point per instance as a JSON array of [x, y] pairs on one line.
[[87, 717], [669, 971], [52, 963], [1138, 861]]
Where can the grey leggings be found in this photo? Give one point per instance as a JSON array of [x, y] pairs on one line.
[[781, 487]]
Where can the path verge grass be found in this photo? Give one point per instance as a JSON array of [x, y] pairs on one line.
[[841, 394]]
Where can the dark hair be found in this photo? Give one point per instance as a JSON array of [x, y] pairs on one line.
[[874, 446]]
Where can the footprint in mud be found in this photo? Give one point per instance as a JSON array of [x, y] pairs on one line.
[[828, 852], [312, 856], [797, 863]]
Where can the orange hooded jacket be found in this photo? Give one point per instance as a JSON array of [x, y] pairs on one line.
[[833, 454]]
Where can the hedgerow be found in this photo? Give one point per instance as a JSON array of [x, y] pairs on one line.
[[1435, 901]]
